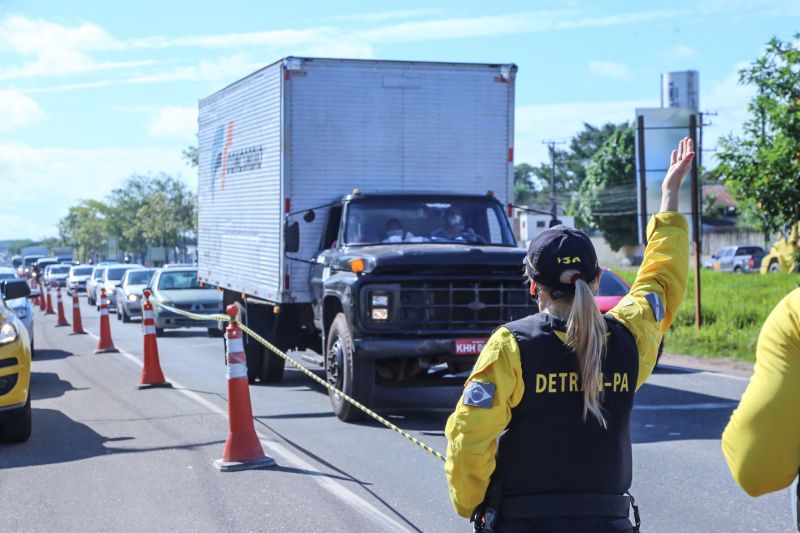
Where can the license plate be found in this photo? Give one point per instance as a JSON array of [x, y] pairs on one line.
[[715, 265], [469, 346]]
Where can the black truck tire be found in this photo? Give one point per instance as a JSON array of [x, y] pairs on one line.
[[272, 366], [17, 428], [353, 376]]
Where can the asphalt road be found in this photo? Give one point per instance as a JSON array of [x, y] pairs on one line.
[[105, 456]]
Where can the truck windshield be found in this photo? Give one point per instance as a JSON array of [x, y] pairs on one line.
[[412, 220]]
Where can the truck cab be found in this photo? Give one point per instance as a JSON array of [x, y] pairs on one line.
[[407, 288]]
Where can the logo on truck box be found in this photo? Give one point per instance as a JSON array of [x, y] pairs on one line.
[[225, 161]]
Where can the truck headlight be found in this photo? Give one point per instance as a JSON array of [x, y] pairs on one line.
[[379, 304], [380, 300], [22, 312], [8, 333], [380, 314], [132, 297]]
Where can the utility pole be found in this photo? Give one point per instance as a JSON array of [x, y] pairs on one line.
[[703, 123], [553, 208]]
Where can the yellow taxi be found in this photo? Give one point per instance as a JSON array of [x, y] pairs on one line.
[[15, 366]]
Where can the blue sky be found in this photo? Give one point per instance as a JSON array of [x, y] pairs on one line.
[[93, 91]]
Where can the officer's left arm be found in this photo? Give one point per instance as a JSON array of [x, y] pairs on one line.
[[483, 412]]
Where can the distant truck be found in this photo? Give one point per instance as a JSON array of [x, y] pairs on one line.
[[358, 210], [784, 256]]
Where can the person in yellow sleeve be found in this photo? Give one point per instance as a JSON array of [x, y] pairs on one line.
[[559, 385], [761, 442]]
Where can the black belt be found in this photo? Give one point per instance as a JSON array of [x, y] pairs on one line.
[[564, 505]]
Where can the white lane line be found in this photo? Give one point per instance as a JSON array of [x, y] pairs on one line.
[[685, 406], [689, 371], [347, 496]]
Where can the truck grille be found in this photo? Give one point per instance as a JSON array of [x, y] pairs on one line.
[[458, 305]]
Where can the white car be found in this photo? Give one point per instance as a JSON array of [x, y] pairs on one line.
[[78, 275], [55, 275], [21, 306], [112, 278]]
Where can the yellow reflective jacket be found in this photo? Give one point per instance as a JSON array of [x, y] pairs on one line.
[[472, 431], [762, 440]]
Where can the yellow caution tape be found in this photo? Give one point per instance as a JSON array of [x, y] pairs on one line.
[[304, 370]]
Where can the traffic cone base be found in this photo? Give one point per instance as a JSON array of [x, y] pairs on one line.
[[233, 466], [165, 385], [106, 350], [77, 333]]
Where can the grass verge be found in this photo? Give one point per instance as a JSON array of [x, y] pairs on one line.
[[734, 309]]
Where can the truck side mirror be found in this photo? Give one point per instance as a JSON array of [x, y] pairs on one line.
[[291, 237], [309, 216], [13, 289]]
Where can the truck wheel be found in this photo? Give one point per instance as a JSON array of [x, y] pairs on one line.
[[774, 267], [737, 269], [355, 377], [18, 426], [272, 366]]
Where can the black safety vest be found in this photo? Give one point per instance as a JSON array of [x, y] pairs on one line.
[[548, 448]]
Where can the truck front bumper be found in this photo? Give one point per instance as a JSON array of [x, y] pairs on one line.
[[421, 347]]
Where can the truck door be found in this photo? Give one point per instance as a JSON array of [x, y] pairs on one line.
[[320, 269]]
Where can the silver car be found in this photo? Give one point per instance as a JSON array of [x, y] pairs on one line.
[[179, 288], [112, 278], [129, 293], [21, 306]]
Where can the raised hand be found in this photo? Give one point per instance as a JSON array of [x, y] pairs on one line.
[[680, 163]]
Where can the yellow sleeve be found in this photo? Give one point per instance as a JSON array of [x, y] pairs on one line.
[[472, 431], [762, 440], [664, 273]]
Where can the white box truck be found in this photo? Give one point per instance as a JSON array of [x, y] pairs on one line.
[[358, 210]]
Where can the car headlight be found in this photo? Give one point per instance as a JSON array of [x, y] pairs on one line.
[[380, 314], [22, 312], [8, 333], [132, 297]]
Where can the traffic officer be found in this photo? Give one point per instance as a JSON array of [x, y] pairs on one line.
[[762, 440], [559, 384]]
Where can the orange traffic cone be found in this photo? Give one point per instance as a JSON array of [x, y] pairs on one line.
[[152, 376], [42, 298], [243, 450], [62, 319], [49, 309], [104, 344], [77, 324]]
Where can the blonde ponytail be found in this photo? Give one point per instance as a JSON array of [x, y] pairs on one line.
[[586, 335]]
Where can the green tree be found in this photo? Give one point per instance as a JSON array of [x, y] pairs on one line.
[[191, 156], [86, 228], [762, 166], [607, 199]]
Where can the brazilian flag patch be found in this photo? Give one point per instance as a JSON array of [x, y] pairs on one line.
[[479, 394]]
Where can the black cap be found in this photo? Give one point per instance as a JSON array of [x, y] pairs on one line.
[[556, 250]]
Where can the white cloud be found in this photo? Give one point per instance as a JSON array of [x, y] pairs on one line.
[[174, 123], [56, 49], [535, 124], [610, 69], [38, 185], [18, 110]]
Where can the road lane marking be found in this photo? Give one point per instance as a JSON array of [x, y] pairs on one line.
[[338, 490], [685, 406]]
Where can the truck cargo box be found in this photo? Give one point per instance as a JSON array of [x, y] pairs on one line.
[[301, 133]]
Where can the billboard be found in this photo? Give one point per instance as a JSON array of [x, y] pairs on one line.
[[658, 131]]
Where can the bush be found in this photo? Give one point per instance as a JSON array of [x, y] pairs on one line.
[[734, 309]]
